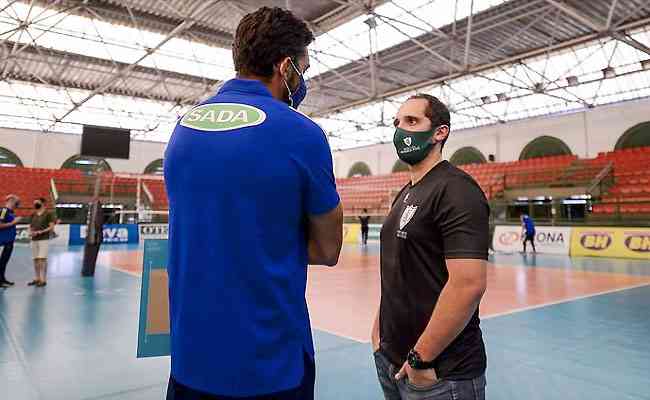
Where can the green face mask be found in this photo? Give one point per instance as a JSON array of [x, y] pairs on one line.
[[413, 147]]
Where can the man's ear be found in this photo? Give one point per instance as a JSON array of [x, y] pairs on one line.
[[441, 133], [284, 67]]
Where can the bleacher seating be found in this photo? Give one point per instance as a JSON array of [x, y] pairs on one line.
[[630, 193], [157, 189], [31, 183]]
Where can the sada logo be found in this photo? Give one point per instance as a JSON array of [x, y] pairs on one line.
[[596, 240], [509, 238], [219, 117], [638, 242]]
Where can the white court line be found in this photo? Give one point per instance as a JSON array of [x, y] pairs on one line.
[[513, 311], [568, 300], [313, 327]]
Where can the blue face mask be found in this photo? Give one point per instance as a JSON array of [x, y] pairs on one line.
[[296, 97]]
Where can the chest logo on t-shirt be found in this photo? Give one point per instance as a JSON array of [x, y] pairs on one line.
[[220, 117], [407, 215]]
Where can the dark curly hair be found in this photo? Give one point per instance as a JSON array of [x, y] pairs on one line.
[[436, 111], [265, 37]]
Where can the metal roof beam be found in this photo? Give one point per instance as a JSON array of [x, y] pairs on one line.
[[630, 41], [424, 47], [479, 68], [577, 15], [188, 23], [611, 14]]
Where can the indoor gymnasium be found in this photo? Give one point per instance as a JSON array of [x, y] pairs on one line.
[[176, 223]]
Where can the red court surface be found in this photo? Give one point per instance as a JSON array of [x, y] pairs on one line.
[[343, 300]]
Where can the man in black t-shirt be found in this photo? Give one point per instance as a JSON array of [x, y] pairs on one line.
[[434, 247], [364, 220]]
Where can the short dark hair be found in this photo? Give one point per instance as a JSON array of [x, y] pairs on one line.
[[265, 37], [42, 200], [436, 111]]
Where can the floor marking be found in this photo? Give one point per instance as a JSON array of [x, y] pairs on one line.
[[568, 300], [341, 335], [21, 358]]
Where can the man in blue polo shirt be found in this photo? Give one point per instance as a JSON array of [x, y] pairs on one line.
[[528, 231], [8, 223], [252, 201]]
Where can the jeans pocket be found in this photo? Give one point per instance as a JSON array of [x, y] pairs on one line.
[[427, 388]]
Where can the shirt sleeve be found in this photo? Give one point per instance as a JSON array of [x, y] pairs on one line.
[[314, 158], [464, 220]]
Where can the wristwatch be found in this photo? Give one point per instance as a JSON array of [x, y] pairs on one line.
[[415, 361]]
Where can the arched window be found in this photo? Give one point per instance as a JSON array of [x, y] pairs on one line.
[[400, 166], [9, 159], [86, 164], [155, 167], [545, 146], [359, 169], [636, 136], [467, 155]]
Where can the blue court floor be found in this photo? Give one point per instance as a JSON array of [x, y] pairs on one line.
[[76, 340]]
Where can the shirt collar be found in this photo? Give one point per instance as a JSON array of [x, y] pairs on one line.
[[248, 86]]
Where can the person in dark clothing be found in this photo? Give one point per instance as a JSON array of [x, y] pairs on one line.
[[434, 246], [8, 223], [41, 227], [364, 220], [94, 237], [528, 231]]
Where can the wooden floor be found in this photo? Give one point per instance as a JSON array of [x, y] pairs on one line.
[[555, 328]]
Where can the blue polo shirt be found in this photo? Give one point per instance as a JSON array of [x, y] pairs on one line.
[[530, 226], [7, 235], [243, 171]]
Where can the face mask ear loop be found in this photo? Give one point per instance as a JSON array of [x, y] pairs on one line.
[[287, 86], [289, 90]]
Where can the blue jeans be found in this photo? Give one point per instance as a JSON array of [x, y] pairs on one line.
[[442, 390]]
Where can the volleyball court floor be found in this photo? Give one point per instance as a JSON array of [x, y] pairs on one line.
[[555, 328]]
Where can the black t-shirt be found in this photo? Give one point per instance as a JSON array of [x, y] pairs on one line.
[[443, 216], [364, 222]]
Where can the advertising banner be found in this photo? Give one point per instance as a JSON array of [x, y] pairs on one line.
[[548, 239], [153, 331], [153, 231], [611, 242], [113, 234], [351, 233]]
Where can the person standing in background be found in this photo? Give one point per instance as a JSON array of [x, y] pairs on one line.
[[528, 231], [94, 237], [8, 222], [364, 220], [40, 228]]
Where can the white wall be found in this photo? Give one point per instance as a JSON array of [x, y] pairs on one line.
[[586, 133], [51, 150]]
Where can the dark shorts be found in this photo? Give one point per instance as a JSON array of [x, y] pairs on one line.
[[178, 391], [530, 237]]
